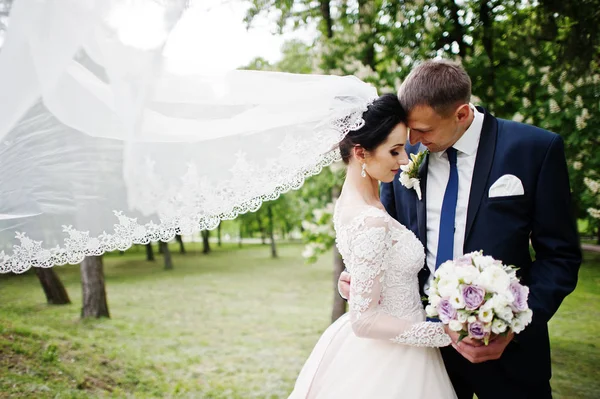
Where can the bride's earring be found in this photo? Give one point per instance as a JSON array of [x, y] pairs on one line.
[[363, 173]]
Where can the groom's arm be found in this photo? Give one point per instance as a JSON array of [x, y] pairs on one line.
[[554, 237]]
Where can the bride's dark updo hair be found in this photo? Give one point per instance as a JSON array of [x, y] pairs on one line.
[[380, 119]]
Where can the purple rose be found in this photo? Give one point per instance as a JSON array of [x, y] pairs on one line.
[[520, 294], [446, 311], [476, 330], [464, 260], [473, 296]]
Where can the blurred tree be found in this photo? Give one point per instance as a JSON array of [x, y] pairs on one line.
[[93, 288], [532, 61], [55, 291], [205, 241], [179, 239], [219, 234], [166, 253], [149, 252]]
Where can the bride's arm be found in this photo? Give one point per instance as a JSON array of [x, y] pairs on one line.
[[369, 252]]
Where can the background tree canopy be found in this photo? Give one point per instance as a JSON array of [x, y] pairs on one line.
[[531, 61]]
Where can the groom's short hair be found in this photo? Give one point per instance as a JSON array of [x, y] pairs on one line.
[[439, 84]]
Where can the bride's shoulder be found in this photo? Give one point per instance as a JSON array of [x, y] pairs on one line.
[[361, 216]]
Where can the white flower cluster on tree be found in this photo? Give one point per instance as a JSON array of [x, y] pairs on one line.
[[318, 232], [594, 187]]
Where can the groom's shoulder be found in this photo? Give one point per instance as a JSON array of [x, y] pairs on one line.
[[524, 133]]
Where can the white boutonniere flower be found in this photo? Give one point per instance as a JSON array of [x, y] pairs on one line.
[[409, 177]]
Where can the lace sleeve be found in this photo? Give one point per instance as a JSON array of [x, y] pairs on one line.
[[367, 264]]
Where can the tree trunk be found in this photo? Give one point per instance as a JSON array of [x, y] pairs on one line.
[[55, 291], [487, 19], [219, 235], [339, 304], [164, 249], [205, 242], [94, 291], [149, 252], [366, 23], [263, 235], [598, 234], [240, 238], [326, 15], [271, 233], [180, 241]]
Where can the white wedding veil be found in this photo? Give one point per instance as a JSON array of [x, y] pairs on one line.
[[102, 146]]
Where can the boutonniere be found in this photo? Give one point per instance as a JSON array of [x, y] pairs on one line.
[[409, 177]]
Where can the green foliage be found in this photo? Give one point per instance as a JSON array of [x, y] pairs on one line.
[[319, 194], [531, 61], [318, 233], [297, 57]]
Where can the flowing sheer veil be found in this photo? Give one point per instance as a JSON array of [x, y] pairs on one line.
[[102, 146]]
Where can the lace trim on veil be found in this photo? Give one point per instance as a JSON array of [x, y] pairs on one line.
[[186, 215]]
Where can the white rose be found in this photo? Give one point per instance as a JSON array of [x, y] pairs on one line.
[[455, 325], [406, 180], [494, 279], [498, 326], [505, 313], [462, 316], [516, 325], [525, 317], [431, 311], [483, 262], [467, 274], [434, 300], [457, 300], [471, 319], [501, 301], [486, 313], [447, 286]]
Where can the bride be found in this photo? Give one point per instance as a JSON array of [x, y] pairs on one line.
[[383, 347]]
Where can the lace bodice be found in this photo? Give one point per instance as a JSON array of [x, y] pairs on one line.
[[384, 258]]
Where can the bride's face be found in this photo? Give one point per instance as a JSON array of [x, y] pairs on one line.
[[384, 162]]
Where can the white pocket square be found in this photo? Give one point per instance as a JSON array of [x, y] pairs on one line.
[[506, 186]]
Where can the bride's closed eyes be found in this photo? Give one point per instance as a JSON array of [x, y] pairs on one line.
[[395, 149]]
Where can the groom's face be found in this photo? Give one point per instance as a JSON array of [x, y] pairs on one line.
[[436, 132]]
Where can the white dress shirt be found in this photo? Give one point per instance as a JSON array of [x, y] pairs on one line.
[[437, 178]]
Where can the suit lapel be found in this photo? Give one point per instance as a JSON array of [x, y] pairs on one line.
[[483, 165], [421, 204]]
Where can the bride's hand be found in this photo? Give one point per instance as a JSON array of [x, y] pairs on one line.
[[467, 341], [344, 285]]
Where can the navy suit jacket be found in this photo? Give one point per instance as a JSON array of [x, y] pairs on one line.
[[503, 228]]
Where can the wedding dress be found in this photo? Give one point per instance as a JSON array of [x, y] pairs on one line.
[[383, 347]]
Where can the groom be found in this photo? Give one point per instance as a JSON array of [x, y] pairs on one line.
[[493, 185]]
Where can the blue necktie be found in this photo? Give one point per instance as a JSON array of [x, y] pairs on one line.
[[446, 239]]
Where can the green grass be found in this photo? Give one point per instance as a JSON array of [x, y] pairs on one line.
[[575, 330], [234, 324]]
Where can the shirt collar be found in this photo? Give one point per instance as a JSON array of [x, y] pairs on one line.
[[469, 141]]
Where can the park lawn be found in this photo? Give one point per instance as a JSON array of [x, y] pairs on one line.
[[232, 324]]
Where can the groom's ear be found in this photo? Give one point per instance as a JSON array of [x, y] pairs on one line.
[[462, 113]]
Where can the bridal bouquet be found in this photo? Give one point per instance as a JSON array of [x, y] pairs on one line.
[[477, 295]]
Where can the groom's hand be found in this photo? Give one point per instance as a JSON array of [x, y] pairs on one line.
[[476, 352], [344, 285]]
